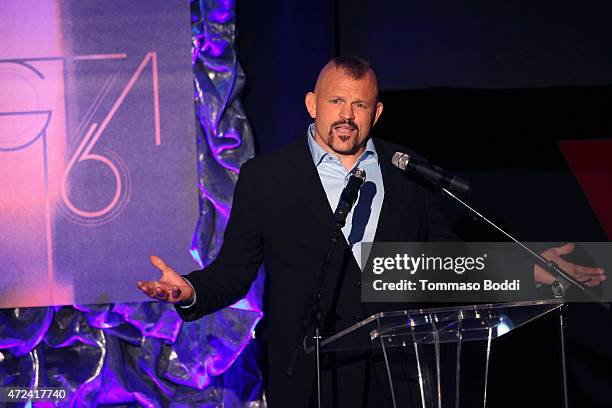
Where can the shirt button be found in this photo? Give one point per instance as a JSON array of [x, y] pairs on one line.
[[358, 283]]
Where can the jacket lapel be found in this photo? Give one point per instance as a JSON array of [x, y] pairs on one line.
[[312, 194], [392, 203], [310, 189]]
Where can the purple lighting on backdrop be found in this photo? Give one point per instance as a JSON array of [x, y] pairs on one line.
[[222, 13], [220, 16], [231, 134], [211, 46], [224, 210], [128, 353], [194, 250], [225, 142], [229, 140]]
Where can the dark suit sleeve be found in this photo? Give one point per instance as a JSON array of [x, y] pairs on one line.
[[520, 267], [228, 278], [438, 228]]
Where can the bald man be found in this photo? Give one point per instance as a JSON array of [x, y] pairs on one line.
[[282, 215]]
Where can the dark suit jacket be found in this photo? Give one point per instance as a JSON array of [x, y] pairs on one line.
[[281, 216]]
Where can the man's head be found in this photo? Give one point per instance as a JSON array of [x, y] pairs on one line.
[[344, 105]]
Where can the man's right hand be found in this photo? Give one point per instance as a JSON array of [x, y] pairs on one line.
[[170, 288], [586, 275]]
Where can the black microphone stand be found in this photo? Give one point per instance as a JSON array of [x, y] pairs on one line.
[[313, 315], [562, 279], [559, 286]]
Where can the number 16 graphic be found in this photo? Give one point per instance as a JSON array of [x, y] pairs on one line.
[[84, 153]]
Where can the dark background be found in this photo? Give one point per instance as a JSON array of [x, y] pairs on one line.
[[487, 90]]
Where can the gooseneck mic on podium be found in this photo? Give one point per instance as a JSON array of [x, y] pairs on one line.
[[431, 173], [349, 196], [448, 182]]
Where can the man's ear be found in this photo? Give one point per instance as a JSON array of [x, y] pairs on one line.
[[379, 109], [311, 104]]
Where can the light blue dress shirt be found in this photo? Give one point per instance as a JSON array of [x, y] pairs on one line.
[[362, 220]]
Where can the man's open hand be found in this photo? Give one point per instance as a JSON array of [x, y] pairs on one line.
[[587, 275], [170, 288]]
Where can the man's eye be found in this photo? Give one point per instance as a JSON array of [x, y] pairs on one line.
[[335, 101], [361, 105]]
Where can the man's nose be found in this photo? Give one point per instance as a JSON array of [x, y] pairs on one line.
[[347, 111]]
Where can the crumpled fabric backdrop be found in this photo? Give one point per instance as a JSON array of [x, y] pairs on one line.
[[141, 354]]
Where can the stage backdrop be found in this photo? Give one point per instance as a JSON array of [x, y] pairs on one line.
[[97, 148]]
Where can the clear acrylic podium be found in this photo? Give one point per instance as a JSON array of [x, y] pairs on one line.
[[423, 333]]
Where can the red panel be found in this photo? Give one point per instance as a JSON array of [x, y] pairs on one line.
[[591, 162]]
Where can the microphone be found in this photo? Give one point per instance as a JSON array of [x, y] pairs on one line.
[[431, 173], [349, 196]]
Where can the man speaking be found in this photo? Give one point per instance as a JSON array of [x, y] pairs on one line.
[[283, 216]]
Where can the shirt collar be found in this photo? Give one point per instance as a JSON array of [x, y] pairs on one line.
[[318, 153]]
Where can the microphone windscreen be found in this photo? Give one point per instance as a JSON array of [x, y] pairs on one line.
[[400, 160], [359, 173]]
